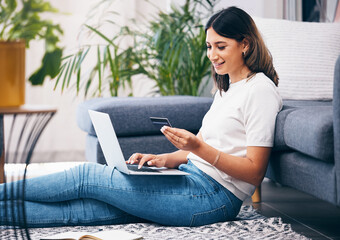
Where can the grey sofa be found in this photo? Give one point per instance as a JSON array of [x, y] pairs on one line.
[[306, 153]]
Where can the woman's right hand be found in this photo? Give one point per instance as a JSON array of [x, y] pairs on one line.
[[149, 159]]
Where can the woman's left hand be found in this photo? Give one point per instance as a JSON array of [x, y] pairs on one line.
[[182, 139]]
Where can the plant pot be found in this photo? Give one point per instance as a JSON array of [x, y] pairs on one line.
[[12, 73]]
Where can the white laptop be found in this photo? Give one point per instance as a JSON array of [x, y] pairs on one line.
[[113, 153]]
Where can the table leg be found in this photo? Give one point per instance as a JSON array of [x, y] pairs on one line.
[[256, 198]]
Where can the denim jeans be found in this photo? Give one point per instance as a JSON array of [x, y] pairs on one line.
[[94, 194]]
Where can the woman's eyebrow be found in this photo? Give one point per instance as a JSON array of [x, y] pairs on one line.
[[217, 42]]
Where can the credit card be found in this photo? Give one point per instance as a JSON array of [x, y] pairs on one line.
[[159, 122]]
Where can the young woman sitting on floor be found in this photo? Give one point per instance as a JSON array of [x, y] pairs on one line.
[[226, 159]]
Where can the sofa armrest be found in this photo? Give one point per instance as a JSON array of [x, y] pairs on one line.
[[130, 116], [336, 125]]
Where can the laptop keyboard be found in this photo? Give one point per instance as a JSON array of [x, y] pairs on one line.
[[134, 167]]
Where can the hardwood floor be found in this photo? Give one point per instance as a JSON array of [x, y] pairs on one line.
[[307, 215]]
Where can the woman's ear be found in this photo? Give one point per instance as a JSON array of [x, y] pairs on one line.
[[245, 45]]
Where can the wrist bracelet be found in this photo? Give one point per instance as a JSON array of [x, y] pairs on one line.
[[217, 158]]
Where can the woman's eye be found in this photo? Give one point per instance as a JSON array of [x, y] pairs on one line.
[[208, 47], [221, 48]]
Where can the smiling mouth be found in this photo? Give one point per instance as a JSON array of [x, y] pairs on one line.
[[217, 65]]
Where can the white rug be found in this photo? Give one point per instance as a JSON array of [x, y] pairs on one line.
[[15, 172], [249, 225]]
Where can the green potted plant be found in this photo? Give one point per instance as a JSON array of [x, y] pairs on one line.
[[20, 23], [172, 53]]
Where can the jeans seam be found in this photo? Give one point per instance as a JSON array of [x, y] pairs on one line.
[[223, 207], [56, 195], [159, 193]]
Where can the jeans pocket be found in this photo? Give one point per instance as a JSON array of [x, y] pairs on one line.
[[217, 215]]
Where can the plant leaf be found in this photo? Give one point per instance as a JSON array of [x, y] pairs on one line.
[[62, 68], [100, 34], [50, 67], [99, 71]]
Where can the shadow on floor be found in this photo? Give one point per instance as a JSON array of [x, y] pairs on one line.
[[307, 215]]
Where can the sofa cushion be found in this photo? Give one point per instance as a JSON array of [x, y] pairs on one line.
[[130, 116], [304, 55], [304, 173], [279, 141], [288, 107], [309, 130]]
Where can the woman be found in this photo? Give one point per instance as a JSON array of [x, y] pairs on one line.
[[226, 159]]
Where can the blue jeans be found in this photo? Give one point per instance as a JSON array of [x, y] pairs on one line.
[[93, 194]]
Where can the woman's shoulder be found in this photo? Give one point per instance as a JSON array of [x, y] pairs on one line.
[[261, 83], [260, 79], [260, 86]]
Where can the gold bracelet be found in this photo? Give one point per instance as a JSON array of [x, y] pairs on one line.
[[217, 158]]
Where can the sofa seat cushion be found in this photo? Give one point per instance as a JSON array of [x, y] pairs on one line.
[[309, 130], [130, 115]]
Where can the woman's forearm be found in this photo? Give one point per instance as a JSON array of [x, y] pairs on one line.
[[250, 169], [174, 159]]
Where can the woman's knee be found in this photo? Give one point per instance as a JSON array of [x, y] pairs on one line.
[[91, 173], [84, 170]]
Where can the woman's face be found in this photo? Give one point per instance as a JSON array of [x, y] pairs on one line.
[[224, 53]]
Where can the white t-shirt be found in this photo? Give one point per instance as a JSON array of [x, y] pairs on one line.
[[243, 116]]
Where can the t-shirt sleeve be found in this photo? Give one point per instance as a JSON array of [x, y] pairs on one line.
[[260, 111]]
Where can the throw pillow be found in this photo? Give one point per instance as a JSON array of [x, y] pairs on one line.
[[304, 56]]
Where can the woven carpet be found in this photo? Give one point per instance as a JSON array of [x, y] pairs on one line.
[[248, 225]]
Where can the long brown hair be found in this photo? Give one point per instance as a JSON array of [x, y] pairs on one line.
[[236, 24]]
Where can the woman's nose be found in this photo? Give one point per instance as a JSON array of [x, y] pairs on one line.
[[212, 55]]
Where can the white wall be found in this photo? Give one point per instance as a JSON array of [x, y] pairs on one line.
[[257, 8], [62, 139]]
